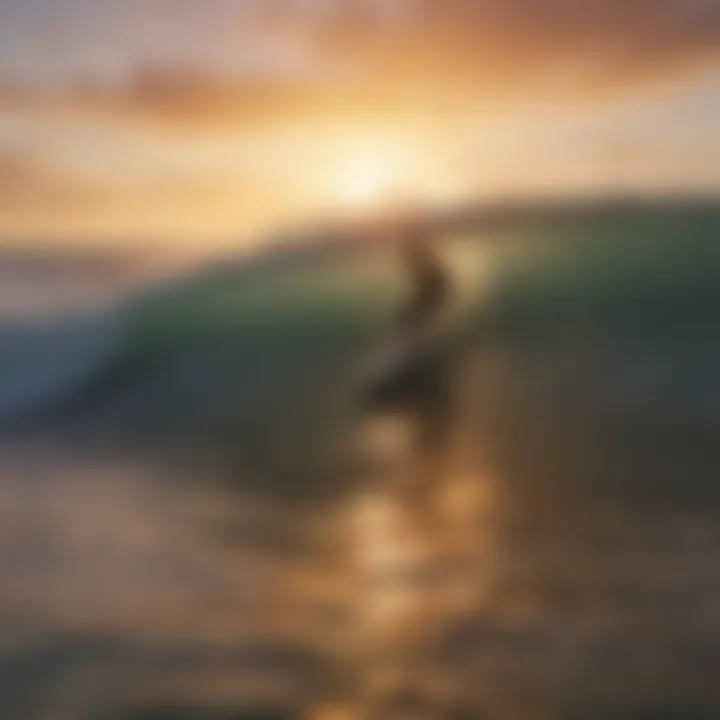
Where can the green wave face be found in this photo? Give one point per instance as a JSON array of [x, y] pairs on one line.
[[258, 358]]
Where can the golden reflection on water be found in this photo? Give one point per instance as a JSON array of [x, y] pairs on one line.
[[421, 561]]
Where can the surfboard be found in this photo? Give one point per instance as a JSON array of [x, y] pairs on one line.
[[404, 375]]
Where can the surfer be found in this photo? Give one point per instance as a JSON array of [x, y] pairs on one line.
[[413, 345], [414, 378], [430, 284]]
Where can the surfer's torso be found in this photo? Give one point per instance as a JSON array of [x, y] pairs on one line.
[[430, 290]]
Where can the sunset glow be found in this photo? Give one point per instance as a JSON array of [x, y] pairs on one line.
[[222, 120], [366, 185]]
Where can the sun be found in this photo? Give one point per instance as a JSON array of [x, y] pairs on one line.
[[370, 174], [368, 184]]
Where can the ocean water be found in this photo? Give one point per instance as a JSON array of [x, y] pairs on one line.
[[198, 522]]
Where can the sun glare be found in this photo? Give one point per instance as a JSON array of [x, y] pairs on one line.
[[368, 184], [362, 172]]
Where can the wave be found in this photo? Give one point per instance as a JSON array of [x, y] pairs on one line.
[[255, 358], [43, 363]]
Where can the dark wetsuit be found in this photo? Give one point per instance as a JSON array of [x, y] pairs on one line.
[[430, 293], [420, 379]]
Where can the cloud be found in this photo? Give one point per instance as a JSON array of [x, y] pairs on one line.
[[171, 117], [34, 193], [246, 60], [514, 46]]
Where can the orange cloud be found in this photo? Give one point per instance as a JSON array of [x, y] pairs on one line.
[[227, 137], [394, 56]]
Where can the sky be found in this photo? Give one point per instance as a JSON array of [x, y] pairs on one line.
[[194, 122]]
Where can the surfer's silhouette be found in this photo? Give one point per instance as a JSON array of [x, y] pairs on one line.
[[429, 282], [414, 378]]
